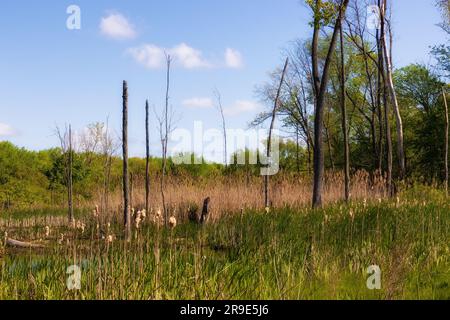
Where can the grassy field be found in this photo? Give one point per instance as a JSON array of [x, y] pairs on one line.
[[288, 253]]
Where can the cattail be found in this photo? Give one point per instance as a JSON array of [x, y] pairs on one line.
[[110, 238], [81, 226], [47, 231], [61, 238], [157, 218], [172, 222], [267, 210], [95, 211], [138, 220], [143, 214], [352, 214]]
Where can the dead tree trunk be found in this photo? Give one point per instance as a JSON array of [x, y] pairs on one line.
[[147, 160], [344, 122], [269, 139], [126, 180], [205, 210], [164, 141], [224, 128], [446, 142], [70, 177]]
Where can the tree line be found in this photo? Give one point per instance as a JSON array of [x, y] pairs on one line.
[[345, 103]]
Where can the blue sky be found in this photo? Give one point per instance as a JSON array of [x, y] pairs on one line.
[[52, 75]]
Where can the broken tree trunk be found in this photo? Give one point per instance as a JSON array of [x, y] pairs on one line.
[[205, 210], [269, 139], [126, 180]]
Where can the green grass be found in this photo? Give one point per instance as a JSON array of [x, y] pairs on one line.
[[286, 254]]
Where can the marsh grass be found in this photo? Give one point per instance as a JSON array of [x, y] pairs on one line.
[[289, 253]]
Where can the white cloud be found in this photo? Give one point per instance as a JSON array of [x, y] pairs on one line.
[[241, 106], [153, 57], [6, 130], [188, 57], [148, 55], [233, 59], [198, 103], [116, 26]]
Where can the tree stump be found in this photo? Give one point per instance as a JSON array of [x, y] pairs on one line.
[[205, 210]]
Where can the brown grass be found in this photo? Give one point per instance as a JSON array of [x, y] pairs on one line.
[[231, 195]]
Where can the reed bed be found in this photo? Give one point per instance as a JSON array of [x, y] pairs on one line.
[[286, 253]]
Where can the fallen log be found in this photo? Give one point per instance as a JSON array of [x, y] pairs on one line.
[[19, 244]]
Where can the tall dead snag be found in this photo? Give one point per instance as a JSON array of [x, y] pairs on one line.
[[446, 141], [269, 139], [147, 159], [224, 128], [390, 85], [70, 177], [344, 121], [164, 133], [320, 89], [126, 180]]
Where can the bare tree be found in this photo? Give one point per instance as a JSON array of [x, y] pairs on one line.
[[446, 141], [90, 141], [320, 87], [66, 143], [269, 139], [70, 177], [126, 179], [444, 7], [224, 128], [294, 109], [109, 146], [165, 127], [147, 159]]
